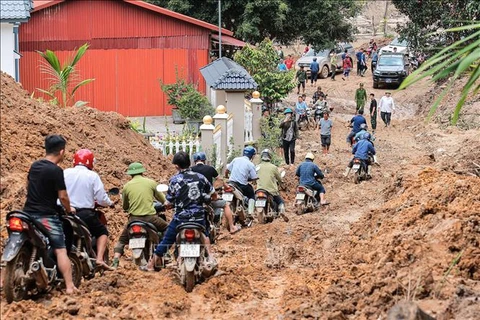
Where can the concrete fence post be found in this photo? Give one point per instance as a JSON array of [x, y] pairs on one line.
[[256, 105], [221, 119], [206, 130]]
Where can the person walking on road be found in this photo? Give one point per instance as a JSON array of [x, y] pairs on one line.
[[326, 132], [289, 62], [301, 77], [387, 107], [373, 112], [289, 135], [333, 64], [347, 66], [358, 55], [314, 69], [360, 97]]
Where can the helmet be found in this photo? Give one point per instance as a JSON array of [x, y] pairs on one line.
[[266, 156], [309, 156], [135, 168], [84, 157], [249, 152], [199, 156], [367, 136], [288, 110]]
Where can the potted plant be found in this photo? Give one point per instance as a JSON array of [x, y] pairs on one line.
[[174, 92], [193, 106]]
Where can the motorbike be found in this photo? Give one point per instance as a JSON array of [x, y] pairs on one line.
[[30, 260], [305, 200], [238, 203], [144, 236], [85, 244], [360, 169], [193, 265], [303, 122], [214, 219], [265, 206]]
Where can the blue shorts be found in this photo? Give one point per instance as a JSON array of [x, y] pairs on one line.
[[55, 230]]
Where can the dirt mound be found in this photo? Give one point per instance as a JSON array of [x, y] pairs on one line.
[[401, 250], [25, 122]]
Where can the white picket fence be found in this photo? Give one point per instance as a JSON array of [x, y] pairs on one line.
[[172, 146]]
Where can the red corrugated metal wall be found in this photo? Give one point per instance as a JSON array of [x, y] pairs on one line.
[[131, 48]]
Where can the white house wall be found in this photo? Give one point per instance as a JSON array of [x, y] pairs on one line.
[[7, 40]]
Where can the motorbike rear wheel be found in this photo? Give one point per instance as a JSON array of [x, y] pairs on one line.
[[189, 279], [261, 217], [16, 269], [76, 269], [300, 209], [357, 177]]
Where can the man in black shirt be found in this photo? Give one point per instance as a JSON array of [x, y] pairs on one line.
[[45, 185], [210, 173], [373, 112]]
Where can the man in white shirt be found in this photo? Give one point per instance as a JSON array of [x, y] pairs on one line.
[[387, 106], [84, 188]]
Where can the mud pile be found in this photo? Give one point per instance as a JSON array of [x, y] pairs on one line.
[[25, 123], [402, 250]]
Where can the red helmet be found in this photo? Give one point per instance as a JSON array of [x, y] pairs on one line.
[[84, 157]]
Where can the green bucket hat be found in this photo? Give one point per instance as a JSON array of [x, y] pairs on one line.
[[135, 168]]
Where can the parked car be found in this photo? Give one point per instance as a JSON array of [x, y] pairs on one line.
[[323, 59], [402, 46], [392, 68]]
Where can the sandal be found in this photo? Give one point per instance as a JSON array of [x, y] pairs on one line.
[[238, 228], [145, 269]]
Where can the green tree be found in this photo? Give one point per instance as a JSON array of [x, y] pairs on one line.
[[454, 61], [426, 17], [261, 62], [317, 22], [63, 76]]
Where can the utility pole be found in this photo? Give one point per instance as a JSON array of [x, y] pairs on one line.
[[219, 28]]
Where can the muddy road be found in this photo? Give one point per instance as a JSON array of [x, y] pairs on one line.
[[353, 259]]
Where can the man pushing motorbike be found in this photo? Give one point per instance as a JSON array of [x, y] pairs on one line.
[[138, 197], [84, 188], [46, 183], [269, 179], [187, 192], [210, 173]]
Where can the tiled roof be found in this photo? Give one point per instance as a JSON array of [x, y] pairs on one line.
[[15, 10], [225, 74]]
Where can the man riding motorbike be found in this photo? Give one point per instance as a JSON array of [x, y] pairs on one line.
[[355, 122], [138, 197], [269, 179], [241, 171], [84, 188], [309, 172], [362, 150], [46, 183], [187, 191], [210, 173], [359, 134]]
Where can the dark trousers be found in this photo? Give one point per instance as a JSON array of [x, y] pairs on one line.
[[313, 76], [386, 117], [171, 234], [247, 190], [289, 151], [334, 71], [359, 68], [373, 121], [158, 222], [317, 186]]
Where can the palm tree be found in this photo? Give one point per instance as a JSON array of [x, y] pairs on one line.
[[450, 63], [63, 76]]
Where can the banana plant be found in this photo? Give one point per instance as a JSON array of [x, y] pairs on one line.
[[461, 57], [63, 76]]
